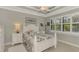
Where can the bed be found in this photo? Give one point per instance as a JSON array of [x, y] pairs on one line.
[[35, 41]]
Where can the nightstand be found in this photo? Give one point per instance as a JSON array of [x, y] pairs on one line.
[[16, 38]]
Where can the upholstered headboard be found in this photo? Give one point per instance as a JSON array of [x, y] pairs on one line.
[[30, 27]]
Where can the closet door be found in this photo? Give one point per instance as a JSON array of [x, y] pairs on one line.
[[1, 40]]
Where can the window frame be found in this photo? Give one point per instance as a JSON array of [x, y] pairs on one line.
[[62, 23]]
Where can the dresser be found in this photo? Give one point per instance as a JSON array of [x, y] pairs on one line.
[[16, 38]]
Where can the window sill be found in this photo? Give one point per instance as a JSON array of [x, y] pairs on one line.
[[67, 32]]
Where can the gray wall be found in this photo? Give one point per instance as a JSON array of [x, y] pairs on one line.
[[8, 18], [69, 37]]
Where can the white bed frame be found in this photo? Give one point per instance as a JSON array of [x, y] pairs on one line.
[[41, 45], [44, 44]]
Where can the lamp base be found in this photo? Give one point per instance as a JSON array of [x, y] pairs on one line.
[[17, 32]]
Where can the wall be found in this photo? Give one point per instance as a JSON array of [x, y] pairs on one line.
[[68, 37], [1, 39], [8, 18]]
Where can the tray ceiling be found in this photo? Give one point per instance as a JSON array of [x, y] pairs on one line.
[[37, 8], [34, 10]]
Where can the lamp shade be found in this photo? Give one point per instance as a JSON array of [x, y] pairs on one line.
[[17, 27]]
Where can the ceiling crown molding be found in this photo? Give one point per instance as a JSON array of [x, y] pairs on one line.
[[14, 8], [54, 11], [63, 10]]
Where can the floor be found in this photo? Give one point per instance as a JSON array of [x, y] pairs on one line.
[[61, 47], [17, 48]]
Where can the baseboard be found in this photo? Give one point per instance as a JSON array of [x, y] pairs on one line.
[[69, 43]]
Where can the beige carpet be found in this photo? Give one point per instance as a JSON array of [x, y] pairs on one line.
[[17, 48], [60, 48]]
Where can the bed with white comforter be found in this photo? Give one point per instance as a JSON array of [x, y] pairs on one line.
[[37, 42]]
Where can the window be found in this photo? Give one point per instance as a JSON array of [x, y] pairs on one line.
[[52, 25], [75, 19], [75, 27], [66, 27], [58, 27], [66, 20], [75, 24], [58, 24], [66, 24], [58, 21]]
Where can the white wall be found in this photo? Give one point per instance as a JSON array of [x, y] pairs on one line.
[[67, 37], [1, 39], [8, 18]]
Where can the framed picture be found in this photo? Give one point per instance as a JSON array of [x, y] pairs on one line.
[[48, 23], [41, 24], [30, 20]]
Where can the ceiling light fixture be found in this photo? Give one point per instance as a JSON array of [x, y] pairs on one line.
[[44, 8]]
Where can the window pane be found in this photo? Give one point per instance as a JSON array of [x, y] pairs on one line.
[[52, 22], [75, 19], [58, 21], [66, 27], [52, 27], [66, 20], [75, 27], [58, 27]]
